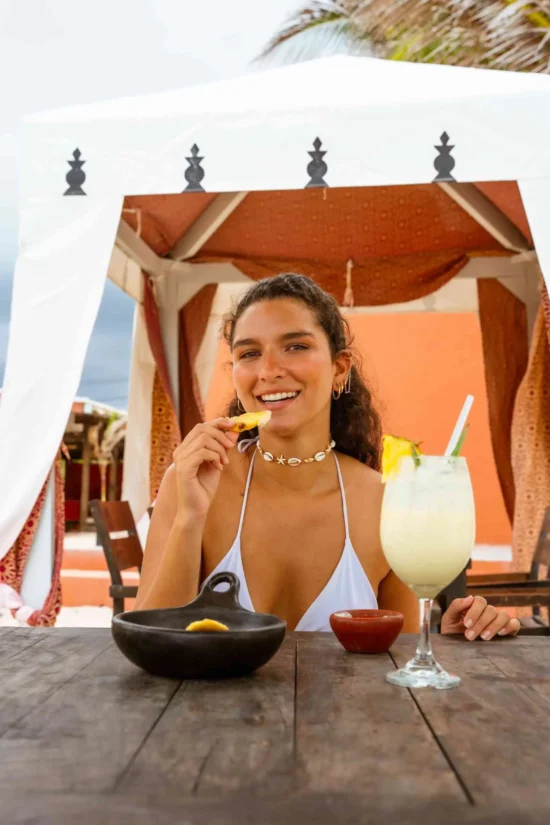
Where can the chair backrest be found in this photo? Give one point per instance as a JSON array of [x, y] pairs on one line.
[[116, 530], [542, 550]]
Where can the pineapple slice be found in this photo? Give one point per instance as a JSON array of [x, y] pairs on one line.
[[248, 421]]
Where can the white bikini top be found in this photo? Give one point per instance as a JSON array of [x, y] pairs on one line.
[[347, 589]]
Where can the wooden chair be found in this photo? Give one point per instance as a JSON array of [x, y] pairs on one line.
[[113, 518], [521, 589]]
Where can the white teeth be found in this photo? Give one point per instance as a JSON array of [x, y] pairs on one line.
[[278, 396]]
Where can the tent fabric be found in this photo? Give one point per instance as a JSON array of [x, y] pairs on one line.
[[377, 120], [503, 322], [531, 445], [56, 295]]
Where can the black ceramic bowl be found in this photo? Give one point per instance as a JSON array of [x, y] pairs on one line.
[[156, 640]]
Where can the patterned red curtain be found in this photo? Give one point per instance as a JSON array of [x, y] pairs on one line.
[[165, 431], [12, 566], [531, 442]]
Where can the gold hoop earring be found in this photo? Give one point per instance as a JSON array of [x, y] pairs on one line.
[[239, 405], [338, 392], [347, 388]]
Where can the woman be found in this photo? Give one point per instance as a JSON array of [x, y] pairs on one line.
[[281, 527]]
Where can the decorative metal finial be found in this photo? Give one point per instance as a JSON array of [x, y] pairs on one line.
[[317, 167], [195, 173], [76, 177], [444, 162]]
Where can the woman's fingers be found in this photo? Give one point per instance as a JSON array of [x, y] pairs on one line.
[[511, 629], [477, 621], [204, 454], [472, 615], [500, 621], [205, 442], [218, 429], [203, 435]]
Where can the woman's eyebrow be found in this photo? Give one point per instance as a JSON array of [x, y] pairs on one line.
[[301, 333], [250, 342], [245, 342]]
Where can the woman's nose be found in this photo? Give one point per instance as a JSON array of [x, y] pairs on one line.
[[270, 367]]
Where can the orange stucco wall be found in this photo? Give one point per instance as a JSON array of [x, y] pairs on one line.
[[421, 366]]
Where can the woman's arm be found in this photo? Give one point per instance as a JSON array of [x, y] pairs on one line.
[[172, 560], [394, 595]]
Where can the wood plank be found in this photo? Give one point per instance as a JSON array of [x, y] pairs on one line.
[[527, 666], [16, 639], [220, 736], [494, 728], [356, 731], [32, 673], [304, 809], [87, 732]]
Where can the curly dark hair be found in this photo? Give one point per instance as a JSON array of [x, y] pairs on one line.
[[354, 420]]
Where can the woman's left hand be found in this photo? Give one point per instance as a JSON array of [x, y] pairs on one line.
[[475, 618]]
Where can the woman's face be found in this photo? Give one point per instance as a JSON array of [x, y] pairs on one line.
[[282, 362]]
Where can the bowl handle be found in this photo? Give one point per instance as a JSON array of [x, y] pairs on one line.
[[225, 598]]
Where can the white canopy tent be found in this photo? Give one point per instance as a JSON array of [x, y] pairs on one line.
[[382, 122]]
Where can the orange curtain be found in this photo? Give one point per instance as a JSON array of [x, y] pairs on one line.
[[503, 320], [531, 442], [192, 327], [375, 281]]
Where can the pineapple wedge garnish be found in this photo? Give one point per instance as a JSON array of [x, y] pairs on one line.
[[394, 448]]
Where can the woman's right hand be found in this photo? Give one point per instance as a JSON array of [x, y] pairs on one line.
[[199, 463]]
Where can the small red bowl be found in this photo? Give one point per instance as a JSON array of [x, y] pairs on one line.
[[366, 631]]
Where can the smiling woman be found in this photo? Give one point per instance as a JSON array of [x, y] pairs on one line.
[[301, 528]]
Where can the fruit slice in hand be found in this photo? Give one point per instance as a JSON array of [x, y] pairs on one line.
[[394, 449], [248, 421], [207, 624]]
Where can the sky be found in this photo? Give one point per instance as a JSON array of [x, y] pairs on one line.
[[59, 53]]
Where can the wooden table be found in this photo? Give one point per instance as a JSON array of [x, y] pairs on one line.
[[315, 736]]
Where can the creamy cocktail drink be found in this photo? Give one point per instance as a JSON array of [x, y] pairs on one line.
[[427, 532], [428, 522]]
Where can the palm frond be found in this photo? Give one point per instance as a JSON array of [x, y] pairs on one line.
[[497, 34], [319, 13]]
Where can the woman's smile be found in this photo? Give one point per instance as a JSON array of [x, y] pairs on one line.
[[277, 399]]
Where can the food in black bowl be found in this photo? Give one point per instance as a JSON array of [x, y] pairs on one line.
[[158, 640]]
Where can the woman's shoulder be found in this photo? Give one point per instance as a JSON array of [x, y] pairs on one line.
[[358, 473]]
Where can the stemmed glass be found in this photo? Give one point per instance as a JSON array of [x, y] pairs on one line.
[[427, 532]]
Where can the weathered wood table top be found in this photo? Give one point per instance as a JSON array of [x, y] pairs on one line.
[[316, 735]]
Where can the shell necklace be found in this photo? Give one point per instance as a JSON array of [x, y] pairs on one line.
[[295, 462]]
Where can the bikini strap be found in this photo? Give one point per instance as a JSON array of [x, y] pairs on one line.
[[245, 499], [342, 490]]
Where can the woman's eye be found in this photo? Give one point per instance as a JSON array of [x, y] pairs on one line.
[[248, 354], [297, 347]]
